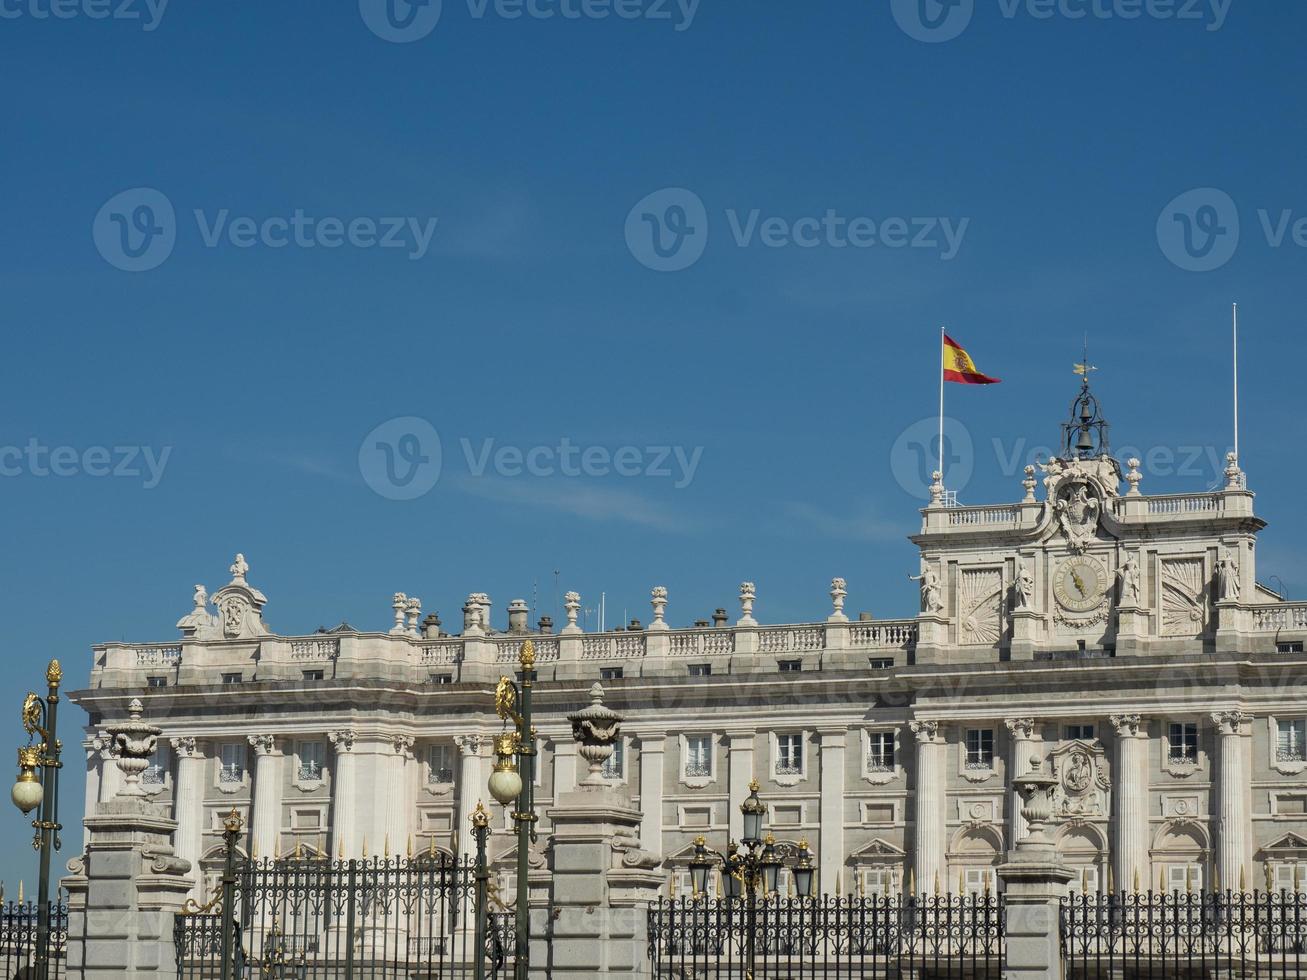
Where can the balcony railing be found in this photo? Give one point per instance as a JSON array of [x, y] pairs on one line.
[[1280, 616], [325, 649], [310, 772], [230, 774], [168, 656], [791, 639]]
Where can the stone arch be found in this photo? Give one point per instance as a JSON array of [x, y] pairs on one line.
[[1182, 837], [977, 840], [973, 854], [1181, 856]]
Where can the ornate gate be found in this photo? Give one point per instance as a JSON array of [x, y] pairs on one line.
[[958, 936]]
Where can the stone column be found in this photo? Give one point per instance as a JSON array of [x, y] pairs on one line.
[[652, 757], [265, 834], [929, 807], [1024, 745], [110, 777], [472, 787], [344, 822], [1131, 862], [831, 845], [188, 804], [399, 800], [740, 753], [1233, 848]]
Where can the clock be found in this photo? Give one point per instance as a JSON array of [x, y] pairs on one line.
[[1081, 584]]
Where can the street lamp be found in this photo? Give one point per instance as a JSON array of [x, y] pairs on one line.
[[515, 780], [755, 868], [38, 786]]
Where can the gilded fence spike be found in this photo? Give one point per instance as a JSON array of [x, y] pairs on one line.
[[408, 853], [936, 882], [839, 885], [1136, 881], [385, 846], [340, 848], [912, 880], [299, 850], [431, 850], [365, 848], [20, 891], [1243, 878]]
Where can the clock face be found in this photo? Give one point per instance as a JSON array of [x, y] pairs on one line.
[[1081, 584]]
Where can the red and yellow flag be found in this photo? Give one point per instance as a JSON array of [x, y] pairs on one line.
[[960, 368]]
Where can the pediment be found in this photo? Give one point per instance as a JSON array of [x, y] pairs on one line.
[[1288, 842], [877, 849]]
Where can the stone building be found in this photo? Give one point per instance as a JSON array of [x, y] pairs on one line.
[[1119, 638]]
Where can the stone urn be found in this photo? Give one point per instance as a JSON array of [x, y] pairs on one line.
[[133, 743], [595, 728], [1036, 792]]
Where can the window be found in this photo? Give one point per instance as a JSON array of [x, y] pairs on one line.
[[789, 754], [880, 663], [978, 881], [440, 765], [1182, 742], [1291, 741], [313, 675], [790, 666], [311, 756], [1292, 647], [1288, 878], [440, 678], [615, 764], [610, 673], [231, 678], [877, 882], [154, 681], [698, 755], [1184, 878], [700, 670], [880, 752], [1085, 882], [980, 748], [1083, 732], [231, 763], [154, 772]]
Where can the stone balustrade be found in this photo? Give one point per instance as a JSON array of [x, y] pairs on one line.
[[477, 658]]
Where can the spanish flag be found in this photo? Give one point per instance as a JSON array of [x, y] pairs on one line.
[[960, 368]]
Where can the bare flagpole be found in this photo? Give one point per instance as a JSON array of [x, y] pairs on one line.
[[1236, 381], [941, 405]]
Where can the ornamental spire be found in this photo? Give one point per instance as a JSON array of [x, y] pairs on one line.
[[1084, 435]]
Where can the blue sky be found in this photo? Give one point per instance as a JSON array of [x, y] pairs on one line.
[[787, 359]]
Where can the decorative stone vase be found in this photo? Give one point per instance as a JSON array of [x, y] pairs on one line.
[[1036, 792], [595, 728], [133, 742]]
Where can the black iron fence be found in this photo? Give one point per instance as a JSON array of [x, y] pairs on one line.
[[351, 919], [957, 936], [1185, 934], [18, 939]]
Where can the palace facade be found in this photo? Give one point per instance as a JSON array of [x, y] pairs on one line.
[[1118, 639]]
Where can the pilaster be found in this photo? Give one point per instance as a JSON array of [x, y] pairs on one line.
[[740, 754], [834, 743], [652, 759], [471, 787]]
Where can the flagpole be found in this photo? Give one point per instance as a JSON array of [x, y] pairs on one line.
[[1235, 314], [941, 405]]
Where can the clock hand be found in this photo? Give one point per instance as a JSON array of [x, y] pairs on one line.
[[1080, 585]]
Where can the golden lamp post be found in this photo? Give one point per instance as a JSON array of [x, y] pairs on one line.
[[515, 750], [38, 786]]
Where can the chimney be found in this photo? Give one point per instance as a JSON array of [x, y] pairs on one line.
[[635, 626], [546, 624], [865, 617], [431, 626], [719, 618], [518, 616]]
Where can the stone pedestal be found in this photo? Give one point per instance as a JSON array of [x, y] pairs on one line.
[[596, 924], [1035, 884], [932, 636], [1231, 625], [124, 892], [1131, 630], [1027, 630]]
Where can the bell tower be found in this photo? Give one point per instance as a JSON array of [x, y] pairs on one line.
[[1085, 434]]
